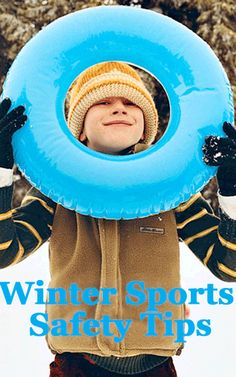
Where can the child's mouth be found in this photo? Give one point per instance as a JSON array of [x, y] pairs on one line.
[[118, 122]]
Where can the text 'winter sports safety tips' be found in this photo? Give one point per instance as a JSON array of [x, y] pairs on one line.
[[136, 294]]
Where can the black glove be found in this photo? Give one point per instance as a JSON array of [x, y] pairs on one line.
[[221, 151], [9, 123]]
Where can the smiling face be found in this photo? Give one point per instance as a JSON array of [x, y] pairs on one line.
[[112, 124]]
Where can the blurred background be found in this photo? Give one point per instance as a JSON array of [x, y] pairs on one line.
[[212, 20]]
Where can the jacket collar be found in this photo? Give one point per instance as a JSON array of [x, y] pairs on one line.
[[139, 147]]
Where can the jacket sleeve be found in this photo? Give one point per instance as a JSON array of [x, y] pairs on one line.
[[212, 239], [23, 229]]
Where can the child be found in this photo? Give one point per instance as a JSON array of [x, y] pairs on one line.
[[112, 112]]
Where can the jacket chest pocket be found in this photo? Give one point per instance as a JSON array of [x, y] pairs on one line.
[[152, 232], [149, 250], [148, 226]]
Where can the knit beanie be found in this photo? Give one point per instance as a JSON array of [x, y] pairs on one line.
[[110, 79]]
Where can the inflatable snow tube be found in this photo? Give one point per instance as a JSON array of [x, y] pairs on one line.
[[108, 186]]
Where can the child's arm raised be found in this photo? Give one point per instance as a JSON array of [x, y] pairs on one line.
[[24, 229], [212, 238]]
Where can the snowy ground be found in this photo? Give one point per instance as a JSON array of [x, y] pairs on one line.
[[211, 356]]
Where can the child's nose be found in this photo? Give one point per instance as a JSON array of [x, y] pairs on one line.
[[119, 107], [119, 111]]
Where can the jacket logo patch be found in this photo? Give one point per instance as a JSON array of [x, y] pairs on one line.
[[149, 229]]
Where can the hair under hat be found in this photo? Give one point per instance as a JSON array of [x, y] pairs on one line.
[[110, 79]]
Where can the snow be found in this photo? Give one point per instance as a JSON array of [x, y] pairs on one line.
[[25, 355]]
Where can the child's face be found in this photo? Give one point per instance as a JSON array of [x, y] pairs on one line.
[[113, 124]]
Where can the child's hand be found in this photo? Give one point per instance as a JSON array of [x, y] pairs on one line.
[[9, 123], [221, 151]]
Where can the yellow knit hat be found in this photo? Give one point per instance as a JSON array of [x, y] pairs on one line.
[[110, 79]]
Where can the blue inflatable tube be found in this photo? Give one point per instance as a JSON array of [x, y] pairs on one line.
[[107, 186]]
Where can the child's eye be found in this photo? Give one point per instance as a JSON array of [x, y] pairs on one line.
[[130, 104], [103, 103]]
